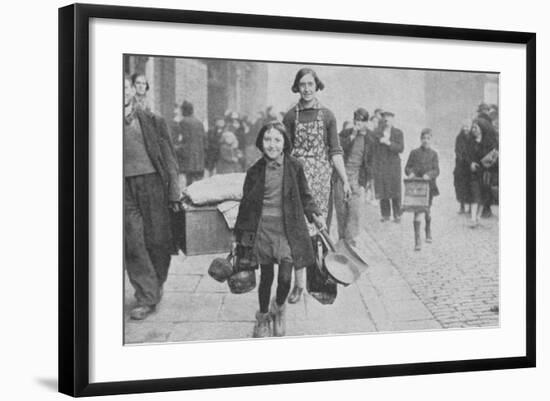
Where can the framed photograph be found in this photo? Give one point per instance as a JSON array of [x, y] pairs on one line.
[[252, 199]]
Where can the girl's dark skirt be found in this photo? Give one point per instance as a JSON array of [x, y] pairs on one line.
[[271, 245]]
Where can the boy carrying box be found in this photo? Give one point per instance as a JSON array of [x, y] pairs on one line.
[[423, 163]]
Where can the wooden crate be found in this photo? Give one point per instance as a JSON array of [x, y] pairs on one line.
[[201, 230], [417, 195]]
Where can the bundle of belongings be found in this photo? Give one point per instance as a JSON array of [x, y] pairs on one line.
[[224, 190]]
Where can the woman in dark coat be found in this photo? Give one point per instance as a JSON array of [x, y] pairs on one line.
[[272, 219], [462, 169], [481, 143]]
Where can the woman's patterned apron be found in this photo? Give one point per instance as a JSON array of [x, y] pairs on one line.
[[310, 148]]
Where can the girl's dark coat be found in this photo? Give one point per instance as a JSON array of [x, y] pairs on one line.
[[297, 201]]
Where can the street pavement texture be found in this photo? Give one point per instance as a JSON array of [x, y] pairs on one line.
[[451, 283]]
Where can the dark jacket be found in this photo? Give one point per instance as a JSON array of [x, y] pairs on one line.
[[387, 165], [297, 201], [424, 162], [347, 145], [159, 148], [462, 169]]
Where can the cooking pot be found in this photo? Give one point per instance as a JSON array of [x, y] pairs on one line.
[[242, 281], [221, 268]]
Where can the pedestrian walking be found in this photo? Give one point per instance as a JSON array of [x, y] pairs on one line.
[[355, 145], [313, 132], [480, 146], [388, 145], [276, 198], [150, 190], [461, 171], [423, 162], [489, 136]]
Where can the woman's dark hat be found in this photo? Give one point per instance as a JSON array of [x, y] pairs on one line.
[[387, 113]]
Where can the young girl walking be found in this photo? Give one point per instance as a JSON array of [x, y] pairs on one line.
[[275, 199]]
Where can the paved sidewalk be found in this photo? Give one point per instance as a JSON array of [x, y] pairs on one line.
[[196, 307]]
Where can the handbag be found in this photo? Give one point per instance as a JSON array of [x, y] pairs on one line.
[[318, 283], [490, 158]]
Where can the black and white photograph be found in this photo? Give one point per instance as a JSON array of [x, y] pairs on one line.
[[267, 199]]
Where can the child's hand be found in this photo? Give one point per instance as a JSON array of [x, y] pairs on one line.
[[319, 222]]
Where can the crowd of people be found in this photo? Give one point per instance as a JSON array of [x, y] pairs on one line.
[[298, 166]]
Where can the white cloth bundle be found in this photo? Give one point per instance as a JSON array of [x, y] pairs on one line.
[[216, 189], [230, 211]]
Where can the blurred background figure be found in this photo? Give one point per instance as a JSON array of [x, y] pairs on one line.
[[191, 148], [346, 125], [177, 140], [462, 169], [233, 124], [480, 145], [229, 160], [213, 144], [489, 140], [141, 87]]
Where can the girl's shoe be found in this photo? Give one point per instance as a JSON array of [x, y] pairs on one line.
[[262, 327], [278, 315]]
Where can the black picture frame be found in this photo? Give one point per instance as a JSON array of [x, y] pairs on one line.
[[74, 194]]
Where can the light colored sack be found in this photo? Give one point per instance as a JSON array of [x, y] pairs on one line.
[[216, 189]]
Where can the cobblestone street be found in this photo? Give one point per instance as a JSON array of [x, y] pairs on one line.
[[456, 276], [451, 283]]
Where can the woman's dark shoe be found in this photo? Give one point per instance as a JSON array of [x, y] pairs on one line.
[[295, 295], [141, 312]]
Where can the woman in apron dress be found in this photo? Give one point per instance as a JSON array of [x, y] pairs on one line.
[[313, 131]]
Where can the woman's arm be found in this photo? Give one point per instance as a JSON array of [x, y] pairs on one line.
[[338, 161]]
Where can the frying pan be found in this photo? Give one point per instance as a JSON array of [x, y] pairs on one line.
[[341, 265]]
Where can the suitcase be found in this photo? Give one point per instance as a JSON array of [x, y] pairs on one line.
[[202, 230]]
